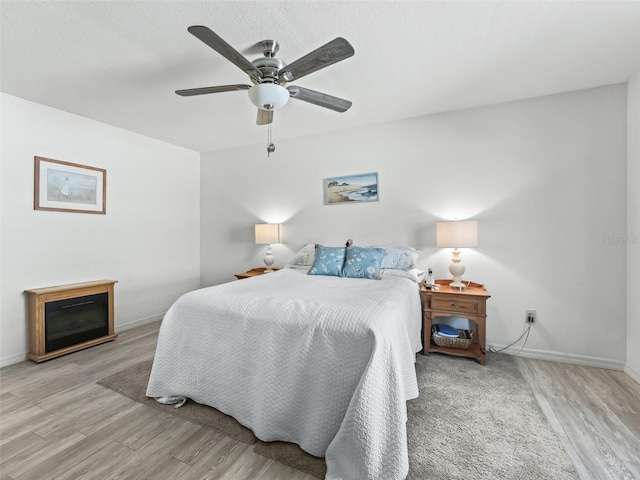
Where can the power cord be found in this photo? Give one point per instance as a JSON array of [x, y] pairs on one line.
[[526, 332]]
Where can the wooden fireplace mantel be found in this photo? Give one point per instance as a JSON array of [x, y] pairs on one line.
[[40, 296]]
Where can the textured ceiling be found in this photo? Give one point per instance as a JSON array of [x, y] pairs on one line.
[[119, 62]]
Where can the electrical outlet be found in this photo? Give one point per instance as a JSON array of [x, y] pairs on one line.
[[530, 315]]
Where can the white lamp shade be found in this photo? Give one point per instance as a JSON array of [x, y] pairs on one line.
[[267, 233], [457, 234], [268, 96]]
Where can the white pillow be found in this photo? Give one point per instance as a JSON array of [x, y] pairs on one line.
[[413, 274], [298, 267], [305, 256]]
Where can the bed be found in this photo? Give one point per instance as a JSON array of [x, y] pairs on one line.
[[323, 362]]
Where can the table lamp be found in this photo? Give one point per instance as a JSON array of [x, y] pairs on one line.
[[266, 234], [457, 235]]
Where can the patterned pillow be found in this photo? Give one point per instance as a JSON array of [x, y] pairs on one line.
[[328, 261], [403, 258], [363, 262]]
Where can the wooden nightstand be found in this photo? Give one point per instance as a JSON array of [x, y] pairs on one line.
[[254, 272], [470, 303]]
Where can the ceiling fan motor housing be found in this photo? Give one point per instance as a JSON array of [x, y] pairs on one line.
[[269, 67]]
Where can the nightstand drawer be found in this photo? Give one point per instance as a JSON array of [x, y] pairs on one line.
[[454, 304]]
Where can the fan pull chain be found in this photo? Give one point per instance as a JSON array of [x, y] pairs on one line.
[[270, 146]]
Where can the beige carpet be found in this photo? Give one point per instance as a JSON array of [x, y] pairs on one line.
[[474, 421], [470, 421]]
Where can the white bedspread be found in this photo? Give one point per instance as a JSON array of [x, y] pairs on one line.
[[324, 362]]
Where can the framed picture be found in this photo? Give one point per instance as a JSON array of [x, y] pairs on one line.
[[351, 189], [69, 187]]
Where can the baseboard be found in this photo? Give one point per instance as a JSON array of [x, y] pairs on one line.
[[633, 373], [587, 361], [120, 327], [11, 359]]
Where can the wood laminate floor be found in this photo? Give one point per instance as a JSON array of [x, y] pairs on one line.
[[57, 423], [595, 412]]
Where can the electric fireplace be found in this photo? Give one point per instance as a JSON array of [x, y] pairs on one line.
[[68, 318]]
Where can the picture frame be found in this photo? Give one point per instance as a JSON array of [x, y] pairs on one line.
[[69, 187], [348, 189]]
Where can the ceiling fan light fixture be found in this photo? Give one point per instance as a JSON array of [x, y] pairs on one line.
[[268, 94]]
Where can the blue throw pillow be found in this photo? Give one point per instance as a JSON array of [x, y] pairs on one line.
[[363, 262], [328, 261]]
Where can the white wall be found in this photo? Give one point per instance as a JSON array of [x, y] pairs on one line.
[[633, 229], [148, 241], [545, 177]]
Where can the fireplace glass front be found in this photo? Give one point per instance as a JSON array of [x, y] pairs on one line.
[[76, 320]]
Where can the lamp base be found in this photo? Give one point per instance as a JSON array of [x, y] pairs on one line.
[[268, 260], [456, 269]]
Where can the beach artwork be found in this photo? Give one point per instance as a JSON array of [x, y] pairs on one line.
[[69, 187], [351, 188], [63, 186]]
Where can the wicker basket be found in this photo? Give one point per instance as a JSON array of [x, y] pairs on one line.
[[451, 342]]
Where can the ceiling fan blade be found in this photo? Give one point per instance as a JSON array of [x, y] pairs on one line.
[[207, 36], [203, 90], [265, 117], [320, 99], [330, 53]]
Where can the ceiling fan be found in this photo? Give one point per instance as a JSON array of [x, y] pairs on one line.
[[269, 74]]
